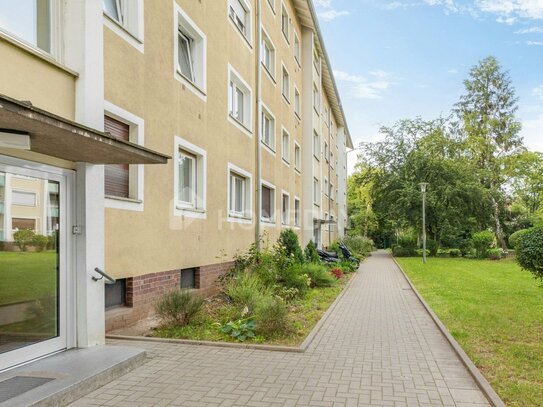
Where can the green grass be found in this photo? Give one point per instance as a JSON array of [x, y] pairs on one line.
[[495, 311], [303, 314], [27, 276]]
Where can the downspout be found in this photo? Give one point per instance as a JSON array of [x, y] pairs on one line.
[[258, 196], [329, 174]]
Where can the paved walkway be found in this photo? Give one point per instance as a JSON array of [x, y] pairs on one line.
[[378, 348]]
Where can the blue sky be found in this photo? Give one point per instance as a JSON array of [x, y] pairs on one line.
[[408, 58]]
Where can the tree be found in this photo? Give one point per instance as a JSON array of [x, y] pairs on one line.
[[361, 215], [487, 114], [23, 238]]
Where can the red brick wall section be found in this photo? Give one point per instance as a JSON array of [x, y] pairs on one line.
[[143, 291]]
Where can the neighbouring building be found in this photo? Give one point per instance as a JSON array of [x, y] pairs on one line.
[[153, 140]]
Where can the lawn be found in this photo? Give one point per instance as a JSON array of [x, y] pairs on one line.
[[26, 276], [495, 311], [303, 314]]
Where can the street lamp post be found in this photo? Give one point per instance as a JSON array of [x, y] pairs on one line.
[[423, 186]]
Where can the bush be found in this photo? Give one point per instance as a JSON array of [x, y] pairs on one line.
[[483, 241], [399, 251], [514, 239], [455, 253], [345, 266], [272, 318], [359, 245], [319, 275], [40, 242], [494, 254], [292, 278], [407, 241], [466, 247], [246, 290], [288, 240], [530, 251], [432, 246], [23, 238], [311, 254], [179, 307], [337, 273]]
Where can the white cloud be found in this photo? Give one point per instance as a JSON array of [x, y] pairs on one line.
[[508, 9], [366, 88], [327, 12], [534, 43], [531, 30], [323, 3], [532, 131], [538, 91], [452, 71]]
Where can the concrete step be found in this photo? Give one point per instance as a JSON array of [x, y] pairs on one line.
[[74, 374]]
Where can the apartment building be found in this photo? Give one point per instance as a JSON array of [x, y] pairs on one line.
[[155, 140]]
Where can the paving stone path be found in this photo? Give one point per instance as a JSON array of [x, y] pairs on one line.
[[379, 347]]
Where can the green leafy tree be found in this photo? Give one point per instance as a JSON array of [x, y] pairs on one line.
[[23, 238], [487, 114]]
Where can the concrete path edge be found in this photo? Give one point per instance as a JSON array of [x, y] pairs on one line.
[[481, 381], [273, 348]]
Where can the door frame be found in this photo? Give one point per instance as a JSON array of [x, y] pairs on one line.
[[67, 292]]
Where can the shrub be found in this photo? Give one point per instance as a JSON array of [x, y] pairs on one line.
[[360, 246], [40, 242], [319, 275], [179, 307], [399, 251], [311, 254], [288, 240], [455, 253], [407, 241], [494, 254], [530, 251], [345, 266], [23, 238], [337, 273], [432, 246], [483, 241], [514, 239], [466, 247], [292, 278], [272, 318], [246, 290]]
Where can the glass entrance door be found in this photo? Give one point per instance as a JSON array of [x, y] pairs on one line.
[[32, 264]]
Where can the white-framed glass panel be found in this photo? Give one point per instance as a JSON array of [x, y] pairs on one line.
[[297, 48], [331, 191], [297, 157], [238, 191], [187, 181], [326, 151], [316, 145], [285, 146], [237, 102], [29, 20], [239, 99], [326, 186], [268, 129], [316, 98], [268, 203], [114, 9], [316, 191], [286, 84], [239, 14], [268, 54], [285, 22], [184, 44], [316, 59], [285, 210], [296, 212], [297, 102]]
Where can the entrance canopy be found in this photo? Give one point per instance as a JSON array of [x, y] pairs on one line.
[[61, 138]]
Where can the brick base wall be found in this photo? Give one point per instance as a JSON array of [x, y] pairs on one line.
[[143, 291]]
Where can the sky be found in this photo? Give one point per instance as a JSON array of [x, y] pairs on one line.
[[407, 58]]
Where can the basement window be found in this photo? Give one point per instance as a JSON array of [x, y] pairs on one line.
[[115, 294], [188, 278]]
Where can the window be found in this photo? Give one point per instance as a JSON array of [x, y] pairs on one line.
[[286, 84], [239, 192], [326, 116], [316, 191], [239, 100], [268, 203], [331, 159], [326, 223], [332, 223], [326, 152], [297, 103], [272, 5], [188, 278], [297, 49], [285, 146], [316, 59], [239, 12], [189, 180], [331, 191], [23, 198], [285, 210], [189, 51], [29, 20], [326, 188], [268, 129], [115, 294], [297, 157], [296, 212], [316, 98], [117, 176], [316, 145], [23, 223], [268, 54], [285, 23]]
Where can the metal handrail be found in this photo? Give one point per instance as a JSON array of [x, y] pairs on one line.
[[109, 279]]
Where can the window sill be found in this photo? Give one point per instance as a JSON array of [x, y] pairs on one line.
[[286, 99], [285, 36], [195, 88], [298, 62], [133, 36], [316, 158], [272, 78], [316, 111], [234, 218], [183, 211], [268, 148], [36, 52], [119, 198], [128, 204], [240, 125], [286, 162], [189, 209], [298, 171], [297, 116], [268, 222], [242, 34]]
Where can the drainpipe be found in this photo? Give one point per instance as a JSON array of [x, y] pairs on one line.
[[258, 196], [329, 174]]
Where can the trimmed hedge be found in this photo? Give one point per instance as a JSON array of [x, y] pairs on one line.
[[530, 251]]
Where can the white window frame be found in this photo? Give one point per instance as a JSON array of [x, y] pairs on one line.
[[316, 192], [283, 71], [297, 103], [271, 71], [326, 151], [297, 157], [183, 23], [326, 224], [297, 213], [285, 157], [199, 211], [272, 145], [284, 11], [271, 3], [331, 194], [235, 78], [136, 174], [247, 36], [326, 187], [316, 145], [272, 220], [297, 49], [285, 222], [316, 98], [246, 216], [131, 27]]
